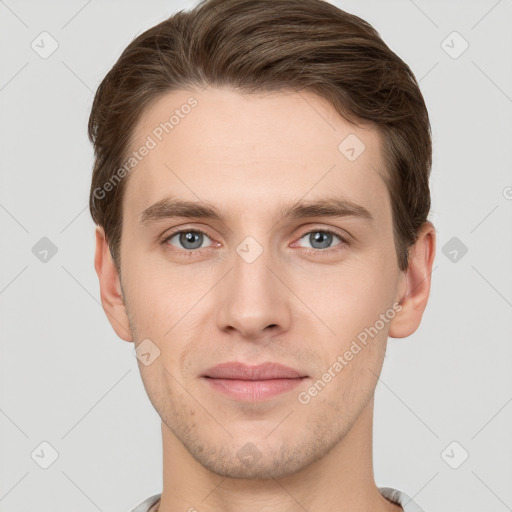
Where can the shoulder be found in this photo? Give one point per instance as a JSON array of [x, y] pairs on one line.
[[400, 498], [146, 505]]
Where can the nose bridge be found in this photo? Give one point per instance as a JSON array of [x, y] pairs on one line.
[[252, 296]]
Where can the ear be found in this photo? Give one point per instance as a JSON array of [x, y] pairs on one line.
[[414, 292], [112, 298]]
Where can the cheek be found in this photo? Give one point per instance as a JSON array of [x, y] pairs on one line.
[[158, 296], [351, 297]]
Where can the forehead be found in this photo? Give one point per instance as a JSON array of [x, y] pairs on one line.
[[251, 151]]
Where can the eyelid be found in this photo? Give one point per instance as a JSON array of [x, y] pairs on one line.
[[345, 239], [173, 233]]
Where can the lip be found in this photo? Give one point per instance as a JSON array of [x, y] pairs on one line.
[[241, 371], [252, 383]]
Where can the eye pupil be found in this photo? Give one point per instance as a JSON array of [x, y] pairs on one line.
[[324, 238], [191, 237]]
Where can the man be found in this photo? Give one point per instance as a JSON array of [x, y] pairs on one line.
[[261, 195]]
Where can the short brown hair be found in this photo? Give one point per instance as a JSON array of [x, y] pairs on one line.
[[262, 46]]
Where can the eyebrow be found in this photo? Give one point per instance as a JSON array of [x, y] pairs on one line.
[[169, 208]]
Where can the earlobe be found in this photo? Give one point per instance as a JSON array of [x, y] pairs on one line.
[[110, 288], [417, 277]]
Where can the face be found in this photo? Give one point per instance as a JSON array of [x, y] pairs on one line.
[[251, 236]]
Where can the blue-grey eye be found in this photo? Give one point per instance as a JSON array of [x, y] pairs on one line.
[[320, 239], [189, 239]]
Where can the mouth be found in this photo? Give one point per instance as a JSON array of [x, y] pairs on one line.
[[252, 383]]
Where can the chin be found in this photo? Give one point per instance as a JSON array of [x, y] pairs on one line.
[[258, 460]]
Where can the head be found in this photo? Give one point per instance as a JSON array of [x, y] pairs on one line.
[[261, 193]]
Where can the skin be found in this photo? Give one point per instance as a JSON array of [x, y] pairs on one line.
[[296, 304]]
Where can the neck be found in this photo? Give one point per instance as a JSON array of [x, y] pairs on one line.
[[341, 481]]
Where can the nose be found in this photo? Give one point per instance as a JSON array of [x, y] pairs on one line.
[[252, 300]]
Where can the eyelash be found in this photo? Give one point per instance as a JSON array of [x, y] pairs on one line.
[[317, 252]]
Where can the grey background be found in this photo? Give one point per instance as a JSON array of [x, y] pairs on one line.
[[66, 379]]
